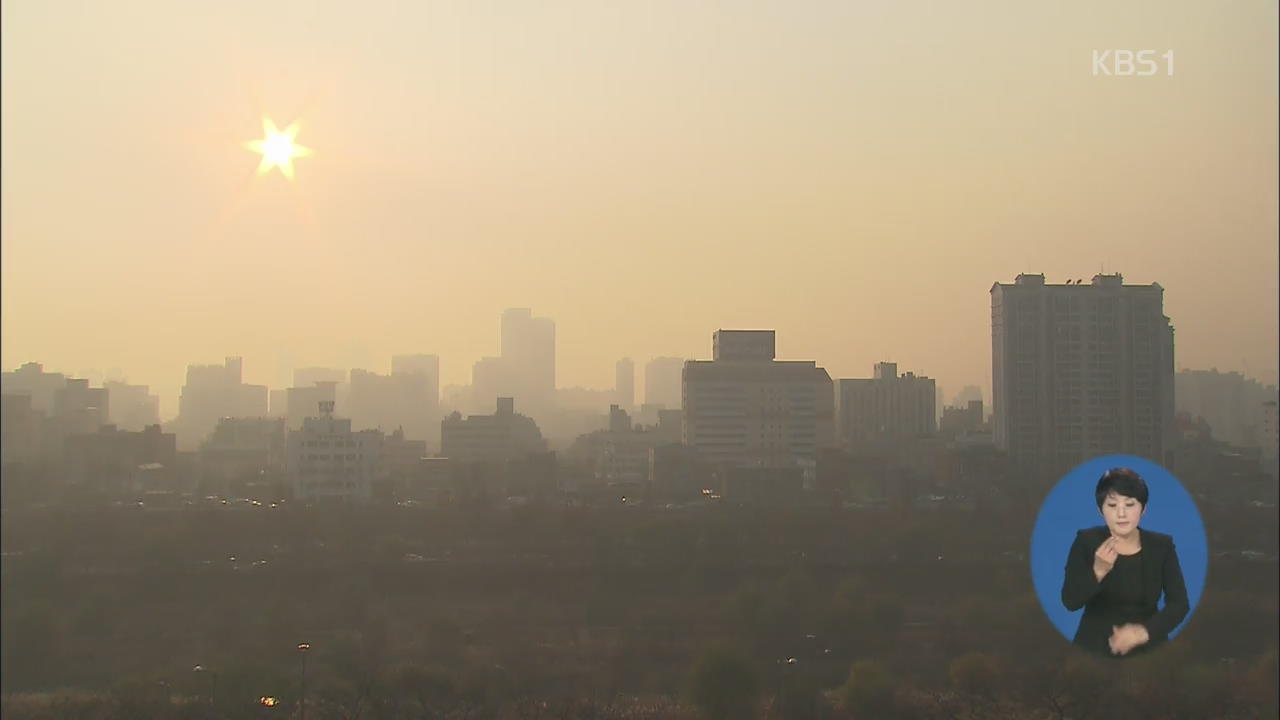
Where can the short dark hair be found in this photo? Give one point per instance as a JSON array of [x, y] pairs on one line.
[[1121, 481]]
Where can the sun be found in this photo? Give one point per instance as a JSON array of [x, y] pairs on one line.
[[278, 148]]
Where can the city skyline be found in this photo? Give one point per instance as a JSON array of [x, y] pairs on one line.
[[642, 178], [285, 377]]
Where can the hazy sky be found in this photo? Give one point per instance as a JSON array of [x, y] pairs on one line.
[[855, 175]]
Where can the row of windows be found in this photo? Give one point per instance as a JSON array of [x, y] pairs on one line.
[[307, 469], [335, 443]]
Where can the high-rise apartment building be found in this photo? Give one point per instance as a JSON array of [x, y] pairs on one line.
[[1080, 371], [885, 408], [1270, 438]]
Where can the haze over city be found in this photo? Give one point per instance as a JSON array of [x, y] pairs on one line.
[[855, 176], [664, 360]]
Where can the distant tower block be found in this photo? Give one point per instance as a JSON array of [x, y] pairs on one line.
[[326, 407]]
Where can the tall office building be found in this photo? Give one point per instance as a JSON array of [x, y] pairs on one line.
[[743, 408], [387, 402], [212, 392], [31, 380], [422, 375], [529, 357], [80, 408], [1080, 371], [133, 407], [662, 382], [490, 380], [428, 366], [308, 376], [885, 408], [624, 385], [301, 402]]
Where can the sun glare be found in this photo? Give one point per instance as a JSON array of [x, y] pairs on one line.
[[277, 148]]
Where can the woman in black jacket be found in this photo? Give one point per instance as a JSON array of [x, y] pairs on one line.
[[1117, 573]]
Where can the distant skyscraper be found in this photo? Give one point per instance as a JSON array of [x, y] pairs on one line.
[[133, 407], [212, 392], [624, 385], [529, 352], [80, 408], [885, 408], [306, 377], [31, 380], [1228, 401], [278, 402], [302, 402], [426, 365], [20, 429], [427, 369], [746, 409], [1080, 371], [388, 402], [490, 380], [662, 382]]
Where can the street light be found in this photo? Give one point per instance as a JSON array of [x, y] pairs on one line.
[[213, 687], [303, 649]]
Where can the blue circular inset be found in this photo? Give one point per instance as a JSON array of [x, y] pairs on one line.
[[1071, 507]]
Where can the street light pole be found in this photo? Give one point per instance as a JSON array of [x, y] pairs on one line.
[[302, 698], [213, 687]]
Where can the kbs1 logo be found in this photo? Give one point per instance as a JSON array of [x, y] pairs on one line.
[[1128, 63]]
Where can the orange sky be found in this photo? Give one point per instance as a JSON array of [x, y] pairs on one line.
[[854, 175]]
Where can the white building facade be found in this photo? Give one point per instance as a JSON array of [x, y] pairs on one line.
[[327, 460]]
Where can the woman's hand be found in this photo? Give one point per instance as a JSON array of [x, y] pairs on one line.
[[1105, 558], [1127, 637]]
